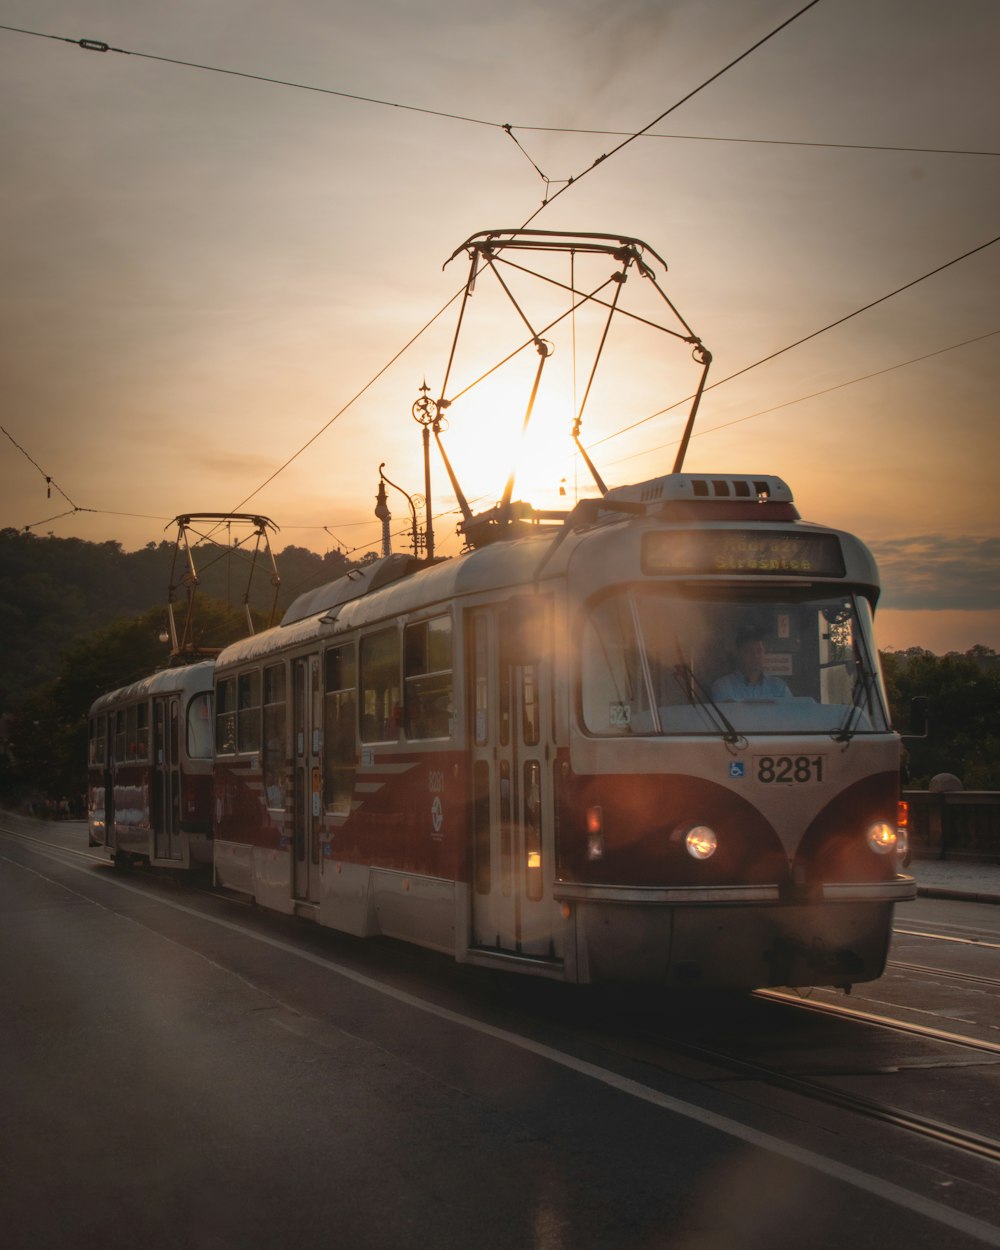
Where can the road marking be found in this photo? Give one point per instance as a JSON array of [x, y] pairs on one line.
[[909, 1200]]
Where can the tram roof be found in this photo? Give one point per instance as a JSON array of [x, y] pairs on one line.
[[185, 678]]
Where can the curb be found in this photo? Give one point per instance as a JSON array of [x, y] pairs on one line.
[[967, 896]]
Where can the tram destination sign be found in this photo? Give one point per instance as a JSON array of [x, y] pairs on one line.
[[780, 554]]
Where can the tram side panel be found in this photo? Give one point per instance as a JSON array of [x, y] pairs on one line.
[[344, 800]]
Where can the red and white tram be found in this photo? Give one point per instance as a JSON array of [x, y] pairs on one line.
[[526, 757], [150, 769]]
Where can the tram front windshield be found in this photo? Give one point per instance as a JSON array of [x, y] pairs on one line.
[[666, 660]]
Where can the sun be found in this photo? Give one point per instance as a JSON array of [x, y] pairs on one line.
[[487, 440]]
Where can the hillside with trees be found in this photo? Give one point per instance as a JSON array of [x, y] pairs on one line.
[[57, 591]]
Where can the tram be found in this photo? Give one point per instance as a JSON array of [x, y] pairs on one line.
[[644, 739], [150, 760], [518, 756]]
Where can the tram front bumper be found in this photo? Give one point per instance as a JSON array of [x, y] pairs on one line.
[[742, 937]]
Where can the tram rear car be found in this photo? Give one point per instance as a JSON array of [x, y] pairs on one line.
[[149, 777], [528, 757]]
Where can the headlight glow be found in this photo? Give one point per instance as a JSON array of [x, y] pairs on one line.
[[882, 838], [701, 842]]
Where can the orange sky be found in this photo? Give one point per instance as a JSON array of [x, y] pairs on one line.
[[201, 270]]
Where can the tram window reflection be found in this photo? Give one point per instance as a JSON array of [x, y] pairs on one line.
[[249, 708], [427, 678], [275, 722], [340, 705], [225, 717], [199, 727], [380, 692]]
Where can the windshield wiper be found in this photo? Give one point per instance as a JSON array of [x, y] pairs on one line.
[[689, 683], [863, 684]]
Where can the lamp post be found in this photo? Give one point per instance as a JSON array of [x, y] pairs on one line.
[[425, 413]]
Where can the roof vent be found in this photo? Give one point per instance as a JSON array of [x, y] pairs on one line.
[[674, 487]]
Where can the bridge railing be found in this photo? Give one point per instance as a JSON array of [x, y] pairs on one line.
[[959, 824]]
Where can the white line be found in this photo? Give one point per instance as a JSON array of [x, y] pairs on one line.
[[909, 1200]]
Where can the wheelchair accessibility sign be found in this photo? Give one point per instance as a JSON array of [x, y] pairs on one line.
[[737, 769]]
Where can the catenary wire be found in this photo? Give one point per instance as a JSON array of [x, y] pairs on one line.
[[50, 481], [354, 398], [676, 105], [827, 390], [805, 339], [99, 45]]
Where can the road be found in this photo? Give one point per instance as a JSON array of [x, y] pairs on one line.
[[180, 1070]]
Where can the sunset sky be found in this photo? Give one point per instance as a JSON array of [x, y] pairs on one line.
[[201, 270]]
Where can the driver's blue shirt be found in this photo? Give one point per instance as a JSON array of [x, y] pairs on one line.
[[734, 688]]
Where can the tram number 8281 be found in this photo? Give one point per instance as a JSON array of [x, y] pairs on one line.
[[788, 770]]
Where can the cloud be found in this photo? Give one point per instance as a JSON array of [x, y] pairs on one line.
[[936, 571]]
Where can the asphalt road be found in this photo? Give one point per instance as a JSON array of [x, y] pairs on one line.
[[180, 1071]]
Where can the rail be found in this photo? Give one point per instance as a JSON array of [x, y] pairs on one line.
[[956, 825]]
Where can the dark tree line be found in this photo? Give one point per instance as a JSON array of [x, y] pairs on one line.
[[56, 591], [963, 700]]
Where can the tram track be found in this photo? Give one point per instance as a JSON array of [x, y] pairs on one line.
[[966, 978], [793, 999], [979, 943], [971, 1143]]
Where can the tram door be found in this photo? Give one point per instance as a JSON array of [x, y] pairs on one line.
[[166, 777], [307, 706], [512, 804]]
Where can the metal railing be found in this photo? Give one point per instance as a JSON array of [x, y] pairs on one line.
[[959, 824]]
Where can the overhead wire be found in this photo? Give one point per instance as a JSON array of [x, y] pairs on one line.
[[805, 339], [354, 398], [801, 399], [50, 482], [99, 45], [666, 113]]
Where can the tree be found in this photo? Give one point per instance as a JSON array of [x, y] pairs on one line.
[[48, 732], [963, 694]]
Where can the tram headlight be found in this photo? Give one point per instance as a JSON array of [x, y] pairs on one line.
[[701, 842], [882, 838]]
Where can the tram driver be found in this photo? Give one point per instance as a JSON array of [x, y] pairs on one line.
[[748, 680]]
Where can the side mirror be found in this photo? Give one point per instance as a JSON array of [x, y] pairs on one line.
[[919, 718]]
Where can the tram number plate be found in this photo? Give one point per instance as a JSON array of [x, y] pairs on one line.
[[788, 770]]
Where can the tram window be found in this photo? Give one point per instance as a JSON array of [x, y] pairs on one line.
[[248, 715], [132, 732], [380, 691], [274, 736], [340, 709], [98, 741], [225, 717], [199, 727], [120, 738], [427, 668], [142, 731]]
